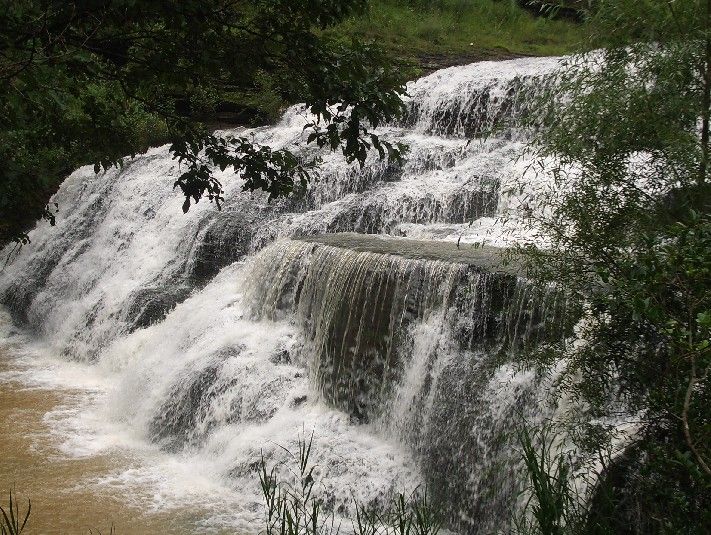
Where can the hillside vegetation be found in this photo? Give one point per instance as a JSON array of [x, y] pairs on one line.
[[451, 31]]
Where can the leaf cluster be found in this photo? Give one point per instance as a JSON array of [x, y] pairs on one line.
[[12, 522]]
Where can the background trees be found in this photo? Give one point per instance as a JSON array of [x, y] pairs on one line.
[[91, 81]]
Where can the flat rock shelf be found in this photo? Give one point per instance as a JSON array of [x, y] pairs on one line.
[[486, 258]]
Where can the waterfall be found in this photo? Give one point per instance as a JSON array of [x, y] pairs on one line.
[[374, 309], [412, 339]]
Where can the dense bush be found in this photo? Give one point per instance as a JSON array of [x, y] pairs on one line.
[[628, 220]]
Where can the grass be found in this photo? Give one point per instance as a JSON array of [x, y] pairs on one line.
[[484, 29]]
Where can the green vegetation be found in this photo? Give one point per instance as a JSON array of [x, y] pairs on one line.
[[553, 505], [293, 505], [627, 135], [450, 31]]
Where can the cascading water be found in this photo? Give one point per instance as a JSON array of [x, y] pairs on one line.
[[223, 335]]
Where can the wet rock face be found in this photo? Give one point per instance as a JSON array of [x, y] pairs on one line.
[[412, 337], [363, 342], [68, 247], [175, 425], [466, 446], [378, 215], [25, 287], [225, 240], [356, 308], [339, 182], [226, 389], [147, 306], [20, 293], [488, 108]]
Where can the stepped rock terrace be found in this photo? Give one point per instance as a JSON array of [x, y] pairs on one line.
[[486, 258]]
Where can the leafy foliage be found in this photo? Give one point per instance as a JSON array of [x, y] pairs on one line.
[[553, 505], [92, 81], [626, 139]]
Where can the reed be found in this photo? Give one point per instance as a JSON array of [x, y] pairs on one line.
[[292, 505], [12, 521]]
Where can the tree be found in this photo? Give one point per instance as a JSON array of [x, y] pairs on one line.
[[90, 81], [626, 137]]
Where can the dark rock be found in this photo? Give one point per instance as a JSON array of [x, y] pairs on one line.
[[151, 305], [224, 241], [280, 357], [299, 400]]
